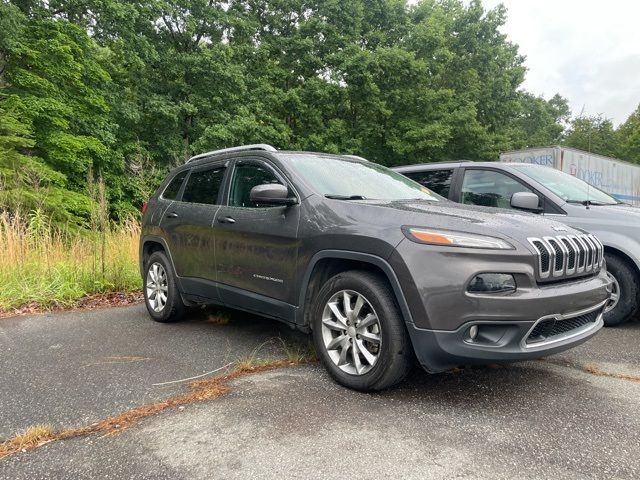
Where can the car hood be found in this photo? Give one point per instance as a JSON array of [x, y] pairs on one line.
[[620, 213], [606, 220], [497, 222]]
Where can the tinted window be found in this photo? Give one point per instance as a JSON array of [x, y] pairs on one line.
[[203, 186], [245, 177], [438, 181], [171, 192], [489, 188]]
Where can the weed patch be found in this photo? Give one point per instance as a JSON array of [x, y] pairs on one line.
[[47, 267], [199, 391]]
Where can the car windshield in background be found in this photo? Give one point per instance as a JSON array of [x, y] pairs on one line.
[[346, 179], [567, 187]]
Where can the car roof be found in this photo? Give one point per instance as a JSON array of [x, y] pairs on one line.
[[453, 164]]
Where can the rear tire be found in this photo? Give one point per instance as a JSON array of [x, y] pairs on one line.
[[161, 294], [359, 333], [627, 305]]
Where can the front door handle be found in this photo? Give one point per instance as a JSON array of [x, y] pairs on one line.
[[172, 215], [226, 219]]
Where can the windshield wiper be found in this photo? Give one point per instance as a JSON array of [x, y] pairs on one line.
[[588, 203], [345, 197]]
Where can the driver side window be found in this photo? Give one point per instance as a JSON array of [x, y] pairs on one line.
[[489, 188], [245, 177]]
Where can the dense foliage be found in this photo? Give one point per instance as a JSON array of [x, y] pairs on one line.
[[127, 89]]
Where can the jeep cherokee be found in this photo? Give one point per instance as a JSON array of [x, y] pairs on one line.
[[377, 267]]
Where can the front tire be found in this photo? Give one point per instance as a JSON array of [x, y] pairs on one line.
[[359, 333], [626, 297], [161, 294]]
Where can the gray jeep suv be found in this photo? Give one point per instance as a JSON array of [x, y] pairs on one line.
[[380, 269], [551, 193]]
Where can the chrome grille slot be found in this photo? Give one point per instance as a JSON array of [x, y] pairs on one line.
[[599, 255], [571, 255], [582, 253], [591, 250], [567, 255], [559, 261]]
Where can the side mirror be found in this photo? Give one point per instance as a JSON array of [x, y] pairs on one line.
[[525, 201], [271, 194]]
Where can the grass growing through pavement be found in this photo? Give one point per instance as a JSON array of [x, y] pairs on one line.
[[199, 391], [44, 265], [31, 438]]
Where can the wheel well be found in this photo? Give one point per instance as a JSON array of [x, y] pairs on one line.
[[624, 257], [150, 247], [327, 268]]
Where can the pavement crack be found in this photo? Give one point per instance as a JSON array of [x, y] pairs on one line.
[[594, 370], [117, 359], [199, 391]]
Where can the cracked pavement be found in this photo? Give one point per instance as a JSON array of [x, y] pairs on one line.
[[542, 419]]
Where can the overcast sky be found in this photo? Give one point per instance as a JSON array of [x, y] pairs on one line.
[[587, 51]]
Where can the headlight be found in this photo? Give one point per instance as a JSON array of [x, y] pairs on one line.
[[455, 239]]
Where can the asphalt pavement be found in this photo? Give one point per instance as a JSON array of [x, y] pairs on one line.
[[573, 415]]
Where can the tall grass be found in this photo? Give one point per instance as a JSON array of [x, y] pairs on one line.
[[47, 265]]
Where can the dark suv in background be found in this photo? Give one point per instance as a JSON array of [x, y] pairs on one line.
[[551, 193], [377, 267]]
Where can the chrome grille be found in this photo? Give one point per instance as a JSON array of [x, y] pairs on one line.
[[567, 255]]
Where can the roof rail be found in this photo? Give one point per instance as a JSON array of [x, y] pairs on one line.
[[242, 148]]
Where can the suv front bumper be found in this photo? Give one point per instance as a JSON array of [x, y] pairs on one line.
[[503, 341]]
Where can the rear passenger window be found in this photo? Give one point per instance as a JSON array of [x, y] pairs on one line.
[[171, 192], [203, 186], [438, 181]]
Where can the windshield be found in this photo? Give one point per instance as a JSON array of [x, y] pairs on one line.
[[349, 179], [567, 187]]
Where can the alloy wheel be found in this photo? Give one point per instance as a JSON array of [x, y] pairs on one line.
[[615, 294], [351, 332], [157, 286]]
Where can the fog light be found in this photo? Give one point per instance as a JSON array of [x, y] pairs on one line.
[[492, 283], [473, 332]]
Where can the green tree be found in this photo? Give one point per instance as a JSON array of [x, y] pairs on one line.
[[129, 89], [52, 100], [629, 138], [592, 134]]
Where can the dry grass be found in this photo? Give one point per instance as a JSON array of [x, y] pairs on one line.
[[46, 266], [593, 370], [31, 438], [199, 391]]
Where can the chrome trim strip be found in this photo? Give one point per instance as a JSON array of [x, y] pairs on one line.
[[562, 337]]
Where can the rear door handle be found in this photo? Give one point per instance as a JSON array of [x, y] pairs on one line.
[[172, 215], [226, 220]]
